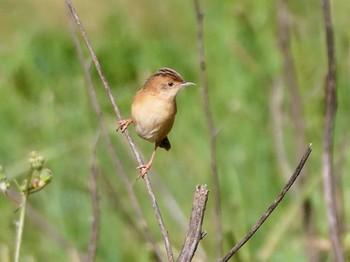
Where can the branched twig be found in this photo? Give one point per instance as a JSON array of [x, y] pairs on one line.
[[111, 151], [95, 227], [271, 207], [331, 108], [211, 127], [194, 233]]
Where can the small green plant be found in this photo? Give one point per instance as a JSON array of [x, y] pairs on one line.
[[37, 178]]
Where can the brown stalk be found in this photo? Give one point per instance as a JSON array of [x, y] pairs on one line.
[[131, 142], [211, 128], [271, 208], [327, 155], [142, 224], [194, 233]]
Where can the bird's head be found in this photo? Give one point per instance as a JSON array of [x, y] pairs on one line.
[[166, 82]]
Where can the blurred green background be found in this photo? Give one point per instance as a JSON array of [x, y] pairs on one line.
[[44, 106]]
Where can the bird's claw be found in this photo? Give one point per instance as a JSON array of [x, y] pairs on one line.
[[143, 170], [123, 125]]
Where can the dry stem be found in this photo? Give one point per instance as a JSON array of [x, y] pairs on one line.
[[194, 233], [271, 207], [131, 142], [331, 108], [211, 128]]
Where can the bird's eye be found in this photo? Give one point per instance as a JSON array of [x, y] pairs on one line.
[[170, 84]]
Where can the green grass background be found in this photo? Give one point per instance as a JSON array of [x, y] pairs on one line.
[[44, 106]]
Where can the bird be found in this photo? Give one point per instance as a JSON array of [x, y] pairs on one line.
[[153, 110]]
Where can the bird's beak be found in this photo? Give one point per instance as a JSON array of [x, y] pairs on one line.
[[187, 84]]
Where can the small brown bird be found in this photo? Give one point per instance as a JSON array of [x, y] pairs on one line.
[[153, 110]]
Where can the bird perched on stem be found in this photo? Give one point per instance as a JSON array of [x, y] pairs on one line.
[[153, 110]]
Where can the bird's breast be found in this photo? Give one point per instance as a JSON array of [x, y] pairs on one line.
[[153, 116]]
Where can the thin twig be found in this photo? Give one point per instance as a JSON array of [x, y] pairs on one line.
[[131, 142], [95, 204], [211, 128], [194, 233], [278, 234], [271, 207], [143, 227], [331, 108]]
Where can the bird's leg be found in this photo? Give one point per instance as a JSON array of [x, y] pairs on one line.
[[123, 124], [145, 168]]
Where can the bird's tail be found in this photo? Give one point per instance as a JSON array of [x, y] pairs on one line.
[[165, 144]]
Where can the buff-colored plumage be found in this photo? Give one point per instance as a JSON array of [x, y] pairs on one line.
[[154, 108]]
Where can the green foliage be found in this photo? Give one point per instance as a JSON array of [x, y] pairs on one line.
[[44, 105]]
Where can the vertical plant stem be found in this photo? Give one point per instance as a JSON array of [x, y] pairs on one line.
[[130, 140], [331, 108], [194, 232], [20, 227], [22, 214], [211, 128], [142, 223]]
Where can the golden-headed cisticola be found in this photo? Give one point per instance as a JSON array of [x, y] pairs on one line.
[[153, 110]]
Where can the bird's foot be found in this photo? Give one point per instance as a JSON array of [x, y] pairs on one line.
[[123, 125], [143, 170]]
